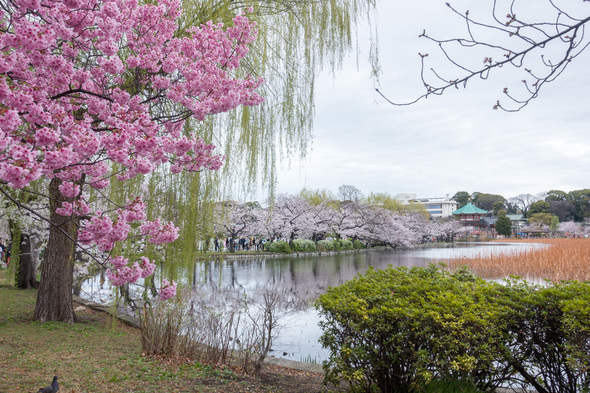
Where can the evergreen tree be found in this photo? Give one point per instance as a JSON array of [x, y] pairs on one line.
[[503, 224]]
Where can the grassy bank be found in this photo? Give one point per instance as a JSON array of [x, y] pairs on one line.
[[100, 354]]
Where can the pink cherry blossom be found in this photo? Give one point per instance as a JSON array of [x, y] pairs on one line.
[[147, 267], [65, 115], [65, 209], [168, 290], [69, 190]]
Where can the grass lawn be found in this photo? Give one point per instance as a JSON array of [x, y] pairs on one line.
[[100, 354]]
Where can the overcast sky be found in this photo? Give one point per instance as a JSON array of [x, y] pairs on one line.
[[455, 142]]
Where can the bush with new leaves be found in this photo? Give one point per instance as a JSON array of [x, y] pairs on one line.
[[549, 329], [357, 244], [335, 245], [303, 245], [278, 246], [343, 244], [398, 329], [325, 245]]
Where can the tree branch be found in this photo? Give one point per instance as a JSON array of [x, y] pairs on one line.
[[571, 34], [43, 218]]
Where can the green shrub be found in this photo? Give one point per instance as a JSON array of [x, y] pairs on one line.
[[303, 245], [357, 244], [278, 246], [346, 244], [395, 330], [336, 245], [550, 335], [407, 330], [326, 245], [342, 244], [439, 386]]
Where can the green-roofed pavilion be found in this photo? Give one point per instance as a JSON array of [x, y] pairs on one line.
[[471, 217], [470, 209]]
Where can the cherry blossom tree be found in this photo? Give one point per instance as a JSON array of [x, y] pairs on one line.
[[390, 228], [348, 219], [444, 229], [569, 227], [293, 216], [237, 219], [267, 226], [92, 90], [449, 229], [418, 225], [299, 216]]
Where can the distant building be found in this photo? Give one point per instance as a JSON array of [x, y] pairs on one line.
[[472, 218], [439, 207], [405, 198], [518, 222], [489, 225]]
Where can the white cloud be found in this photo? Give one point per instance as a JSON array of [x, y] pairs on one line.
[[443, 144]]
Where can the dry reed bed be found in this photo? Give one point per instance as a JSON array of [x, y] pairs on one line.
[[564, 259]]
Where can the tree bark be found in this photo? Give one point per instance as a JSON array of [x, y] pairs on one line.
[[26, 267], [54, 300]]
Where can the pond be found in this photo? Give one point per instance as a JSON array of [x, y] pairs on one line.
[[300, 280]]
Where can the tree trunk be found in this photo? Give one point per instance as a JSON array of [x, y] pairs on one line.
[[54, 300], [26, 268]]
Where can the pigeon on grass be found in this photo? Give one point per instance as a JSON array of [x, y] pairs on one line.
[[54, 387]]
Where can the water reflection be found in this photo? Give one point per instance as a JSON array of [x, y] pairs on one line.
[[299, 280]]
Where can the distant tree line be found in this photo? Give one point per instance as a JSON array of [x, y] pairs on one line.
[[565, 206], [378, 219]]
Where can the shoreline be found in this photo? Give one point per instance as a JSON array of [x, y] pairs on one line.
[[134, 322], [270, 360], [296, 254]]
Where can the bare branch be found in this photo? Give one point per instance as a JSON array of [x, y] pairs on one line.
[[566, 31]]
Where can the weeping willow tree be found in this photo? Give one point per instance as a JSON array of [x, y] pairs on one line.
[[297, 40]]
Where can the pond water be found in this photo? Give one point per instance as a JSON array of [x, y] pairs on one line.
[[300, 280]]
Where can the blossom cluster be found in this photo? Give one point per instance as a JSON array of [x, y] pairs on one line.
[[123, 272], [168, 290], [68, 112]]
